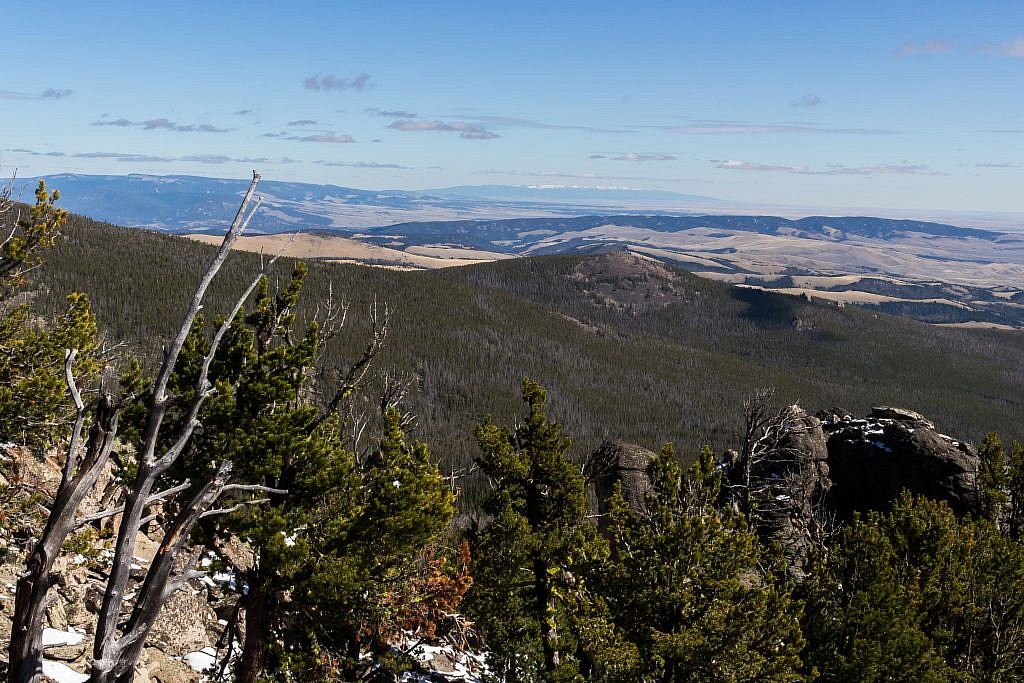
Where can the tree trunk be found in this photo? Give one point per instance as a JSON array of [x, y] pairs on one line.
[[548, 630], [30, 602], [257, 631], [26, 651]]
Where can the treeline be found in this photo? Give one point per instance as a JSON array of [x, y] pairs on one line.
[[674, 372]]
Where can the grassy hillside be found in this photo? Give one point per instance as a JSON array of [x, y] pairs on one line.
[[627, 347]]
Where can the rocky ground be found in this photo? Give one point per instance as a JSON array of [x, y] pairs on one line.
[[187, 640]]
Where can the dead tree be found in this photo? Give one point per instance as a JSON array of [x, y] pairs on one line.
[[774, 482], [117, 645]]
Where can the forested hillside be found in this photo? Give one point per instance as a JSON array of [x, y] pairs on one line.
[[626, 346], [820, 549]]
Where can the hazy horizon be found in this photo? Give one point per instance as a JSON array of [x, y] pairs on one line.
[[902, 106]]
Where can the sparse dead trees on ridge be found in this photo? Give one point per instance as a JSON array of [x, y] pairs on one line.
[[777, 481], [119, 641]]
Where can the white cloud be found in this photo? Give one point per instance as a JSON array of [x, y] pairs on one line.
[[470, 131], [642, 156]]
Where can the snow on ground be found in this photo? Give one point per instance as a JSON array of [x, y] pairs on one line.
[[203, 660], [55, 638], [62, 673]]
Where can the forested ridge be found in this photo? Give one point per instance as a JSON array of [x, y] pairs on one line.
[[286, 448], [677, 370]]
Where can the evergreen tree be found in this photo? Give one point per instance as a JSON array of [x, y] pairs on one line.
[[993, 480], [918, 594], [34, 407], [348, 532], [693, 586], [530, 597]]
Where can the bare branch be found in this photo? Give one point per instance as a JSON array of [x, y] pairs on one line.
[[166, 493], [234, 508], [353, 379], [254, 488], [203, 388], [76, 431], [238, 225]]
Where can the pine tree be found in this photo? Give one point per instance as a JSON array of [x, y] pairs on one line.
[[345, 531], [993, 480], [34, 407], [692, 585], [530, 597], [918, 594]]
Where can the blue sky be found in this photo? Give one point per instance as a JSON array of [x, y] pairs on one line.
[[902, 105]]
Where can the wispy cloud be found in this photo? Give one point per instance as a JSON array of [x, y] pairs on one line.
[[212, 159], [48, 94], [470, 131], [1011, 48], [361, 164], [162, 124], [931, 47], [32, 152], [301, 122], [831, 169], [332, 82], [514, 122], [806, 101], [882, 169], [574, 176], [739, 128], [736, 165], [391, 113], [324, 137], [335, 138], [642, 156], [997, 164]]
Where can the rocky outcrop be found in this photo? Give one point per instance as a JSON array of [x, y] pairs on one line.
[[872, 460], [188, 623], [617, 462], [799, 472]]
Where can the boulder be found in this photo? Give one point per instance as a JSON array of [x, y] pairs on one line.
[[617, 462], [182, 624], [901, 415], [872, 460]]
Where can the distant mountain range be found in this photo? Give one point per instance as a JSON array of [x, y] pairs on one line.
[[934, 272], [182, 204]]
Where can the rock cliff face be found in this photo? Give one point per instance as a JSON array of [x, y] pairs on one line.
[[872, 460], [617, 462], [823, 467]]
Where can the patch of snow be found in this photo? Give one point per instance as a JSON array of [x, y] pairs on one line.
[[56, 638], [203, 660], [62, 673]]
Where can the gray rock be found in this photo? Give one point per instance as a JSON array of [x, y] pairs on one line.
[[902, 415], [617, 462], [871, 462]]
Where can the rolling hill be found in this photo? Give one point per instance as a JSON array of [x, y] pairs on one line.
[[628, 346]]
